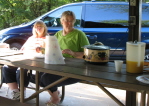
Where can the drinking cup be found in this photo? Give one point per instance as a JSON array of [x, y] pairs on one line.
[[118, 65]]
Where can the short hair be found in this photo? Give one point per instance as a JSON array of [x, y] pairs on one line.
[[68, 13], [41, 23]]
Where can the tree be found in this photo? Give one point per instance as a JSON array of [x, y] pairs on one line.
[[15, 12], [11, 12]]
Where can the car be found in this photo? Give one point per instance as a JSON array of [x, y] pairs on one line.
[[105, 22]]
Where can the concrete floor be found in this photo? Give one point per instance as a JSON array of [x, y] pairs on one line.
[[77, 95]]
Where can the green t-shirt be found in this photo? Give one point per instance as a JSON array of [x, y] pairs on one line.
[[74, 41]]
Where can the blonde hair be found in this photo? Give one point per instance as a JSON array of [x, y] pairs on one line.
[[41, 23], [68, 13]]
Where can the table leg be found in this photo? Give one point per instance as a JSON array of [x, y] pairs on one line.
[[37, 87], [21, 85], [109, 94], [63, 94], [45, 88], [147, 98], [130, 98], [1, 76], [143, 98]]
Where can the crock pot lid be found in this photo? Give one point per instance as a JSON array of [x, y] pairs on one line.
[[97, 47]]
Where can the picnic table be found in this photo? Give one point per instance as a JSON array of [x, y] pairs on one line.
[[102, 75]]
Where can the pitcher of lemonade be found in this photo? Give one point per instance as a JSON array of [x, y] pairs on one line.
[[135, 52]]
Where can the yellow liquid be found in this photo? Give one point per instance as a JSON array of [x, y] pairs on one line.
[[132, 67]]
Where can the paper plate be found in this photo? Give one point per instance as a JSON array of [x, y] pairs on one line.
[[143, 79], [39, 56]]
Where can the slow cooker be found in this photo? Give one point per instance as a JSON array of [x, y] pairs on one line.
[[96, 53]]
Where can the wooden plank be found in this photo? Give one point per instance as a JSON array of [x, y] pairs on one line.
[[8, 102], [77, 68]]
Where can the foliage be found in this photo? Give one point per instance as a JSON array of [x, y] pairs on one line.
[[15, 12]]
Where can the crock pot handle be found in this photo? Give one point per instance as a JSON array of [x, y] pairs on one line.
[[98, 43], [83, 56]]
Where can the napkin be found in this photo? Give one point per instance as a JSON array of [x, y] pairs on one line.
[[53, 54]]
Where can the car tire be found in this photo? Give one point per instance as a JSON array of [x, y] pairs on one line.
[[15, 46]]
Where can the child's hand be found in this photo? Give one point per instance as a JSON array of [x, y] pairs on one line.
[[38, 49]]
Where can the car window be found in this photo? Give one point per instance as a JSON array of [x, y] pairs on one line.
[[53, 19], [145, 16], [103, 16]]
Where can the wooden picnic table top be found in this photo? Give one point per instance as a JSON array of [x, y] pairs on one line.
[[78, 68]]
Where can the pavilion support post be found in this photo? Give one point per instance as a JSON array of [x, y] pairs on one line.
[[135, 17], [131, 98]]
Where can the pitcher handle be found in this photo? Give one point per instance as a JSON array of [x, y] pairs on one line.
[[139, 54]]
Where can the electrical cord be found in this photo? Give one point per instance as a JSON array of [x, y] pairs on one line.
[[119, 45]]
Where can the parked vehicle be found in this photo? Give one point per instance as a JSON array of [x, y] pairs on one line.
[[105, 22]]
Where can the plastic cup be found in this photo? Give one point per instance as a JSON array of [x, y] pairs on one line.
[[118, 65]]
